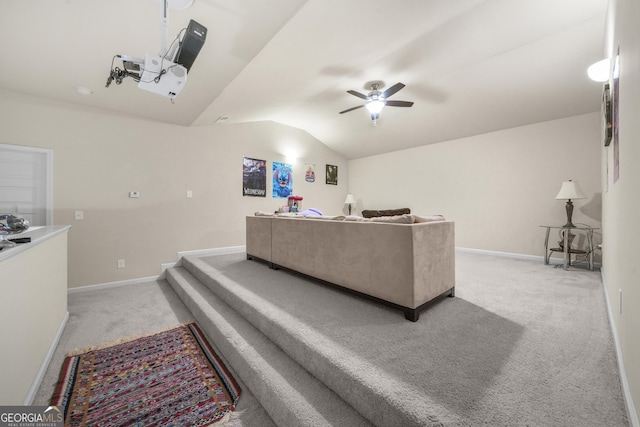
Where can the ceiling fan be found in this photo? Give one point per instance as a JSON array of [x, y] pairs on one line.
[[376, 100]]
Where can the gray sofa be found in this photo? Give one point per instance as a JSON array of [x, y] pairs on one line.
[[405, 265]]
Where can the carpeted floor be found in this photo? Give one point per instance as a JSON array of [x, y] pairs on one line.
[[521, 341], [99, 316]]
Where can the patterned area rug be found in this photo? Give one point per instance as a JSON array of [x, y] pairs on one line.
[[170, 378]]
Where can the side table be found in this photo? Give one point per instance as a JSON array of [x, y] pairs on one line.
[[566, 249]]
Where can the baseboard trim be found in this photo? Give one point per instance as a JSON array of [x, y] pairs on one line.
[[552, 261], [214, 251], [112, 284], [502, 254], [35, 385], [164, 267], [203, 252], [628, 399]]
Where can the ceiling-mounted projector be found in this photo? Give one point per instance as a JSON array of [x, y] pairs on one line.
[[191, 44], [164, 74], [163, 77]]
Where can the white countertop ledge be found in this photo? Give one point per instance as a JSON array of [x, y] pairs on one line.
[[37, 234]]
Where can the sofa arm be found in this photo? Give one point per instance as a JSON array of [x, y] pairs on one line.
[[258, 237]]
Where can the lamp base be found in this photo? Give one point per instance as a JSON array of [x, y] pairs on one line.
[[569, 209]]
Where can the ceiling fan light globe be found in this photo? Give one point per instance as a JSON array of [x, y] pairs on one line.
[[375, 107]]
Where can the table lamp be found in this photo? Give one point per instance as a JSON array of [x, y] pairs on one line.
[[350, 200], [570, 190]]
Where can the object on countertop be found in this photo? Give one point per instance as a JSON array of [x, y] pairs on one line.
[[11, 224]]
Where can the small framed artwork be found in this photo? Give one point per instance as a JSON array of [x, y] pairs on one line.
[[332, 175], [310, 172], [615, 101], [607, 115]]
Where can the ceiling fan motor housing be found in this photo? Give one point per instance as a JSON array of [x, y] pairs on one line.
[[376, 100]]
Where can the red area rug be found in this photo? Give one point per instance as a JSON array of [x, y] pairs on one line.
[[170, 378]]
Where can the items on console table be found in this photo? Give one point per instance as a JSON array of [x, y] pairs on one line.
[[11, 224], [564, 245], [295, 203]]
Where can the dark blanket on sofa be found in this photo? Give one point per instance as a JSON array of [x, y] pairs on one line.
[[385, 212]]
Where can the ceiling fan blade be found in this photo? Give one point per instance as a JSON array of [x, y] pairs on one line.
[[358, 94], [398, 103], [393, 89], [351, 109]]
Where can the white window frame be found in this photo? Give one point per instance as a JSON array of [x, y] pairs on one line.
[[48, 174]]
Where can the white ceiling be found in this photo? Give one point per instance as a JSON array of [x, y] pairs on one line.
[[470, 66]]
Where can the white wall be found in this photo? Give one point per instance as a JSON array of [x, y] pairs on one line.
[[99, 158], [621, 201], [498, 187]]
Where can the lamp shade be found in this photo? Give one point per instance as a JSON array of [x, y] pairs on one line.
[[350, 200], [570, 190]]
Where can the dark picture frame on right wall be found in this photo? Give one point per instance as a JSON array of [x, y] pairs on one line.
[[615, 101], [607, 115]]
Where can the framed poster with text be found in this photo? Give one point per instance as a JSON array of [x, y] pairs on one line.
[[254, 177]]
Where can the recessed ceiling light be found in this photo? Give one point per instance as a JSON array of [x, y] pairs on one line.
[[84, 90]]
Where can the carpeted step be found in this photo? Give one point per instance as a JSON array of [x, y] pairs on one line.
[[289, 393], [372, 391]]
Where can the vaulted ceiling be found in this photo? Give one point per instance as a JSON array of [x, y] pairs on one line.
[[470, 66]]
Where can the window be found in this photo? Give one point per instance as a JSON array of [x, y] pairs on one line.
[[26, 183]]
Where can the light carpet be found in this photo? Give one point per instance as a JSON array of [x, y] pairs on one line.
[[101, 315], [521, 343]]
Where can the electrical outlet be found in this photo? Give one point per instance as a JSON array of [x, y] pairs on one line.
[[79, 215], [120, 263], [189, 193]]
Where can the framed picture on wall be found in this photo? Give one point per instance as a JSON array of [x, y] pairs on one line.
[[282, 180], [332, 175], [254, 177], [615, 101], [607, 115], [310, 172]]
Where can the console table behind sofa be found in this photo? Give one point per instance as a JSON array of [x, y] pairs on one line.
[[406, 266]]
